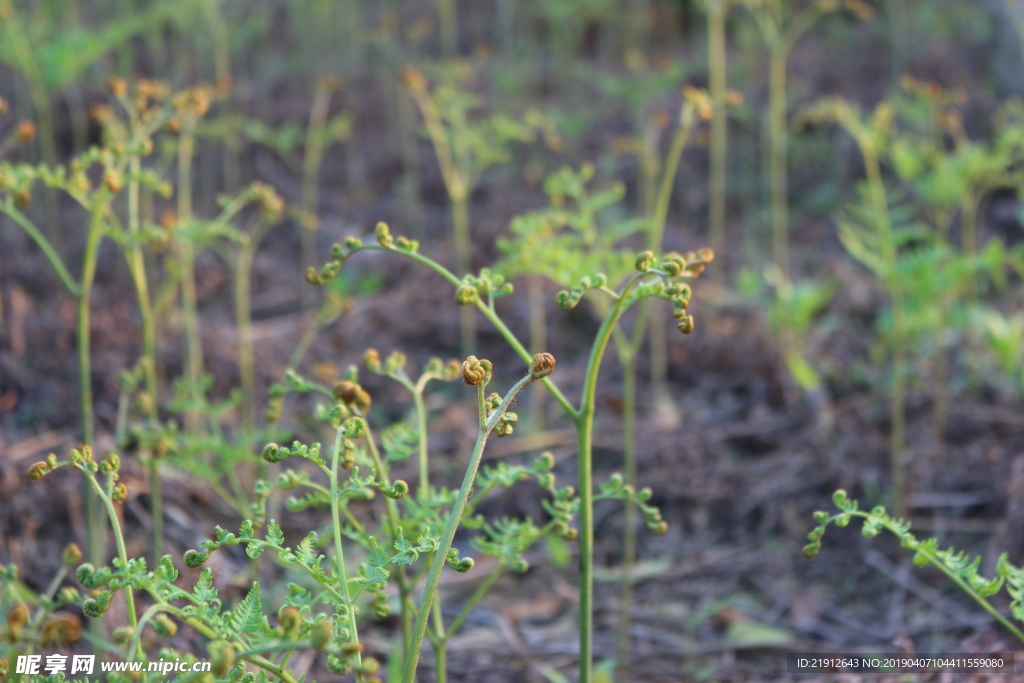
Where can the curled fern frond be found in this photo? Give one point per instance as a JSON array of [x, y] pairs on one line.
[[476, 371], [960, 567]]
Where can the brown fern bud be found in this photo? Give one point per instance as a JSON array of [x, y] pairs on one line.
[[22, 198], [101, 113], [38, 471], [120, 493], [475, 372], [17, 618], [198, 102], [62, 629], [270, 200], [118, 87], [26, 131], [685, 324], [352, 395], [371, 360], [414, 79], [112, 181], [71, 556], [541, 366]]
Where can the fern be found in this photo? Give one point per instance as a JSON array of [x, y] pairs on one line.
[[399, 441], [959, 566], [247, 618]]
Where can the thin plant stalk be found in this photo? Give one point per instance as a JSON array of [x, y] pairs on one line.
[[719, 123], [538, 340], [629, 535], [463, 245], [778, 143], [186, 259], [339, 554], [137, 267], [485, 427], [658, 219], [448, 20], [104, 497], [627, 351], [780, 40], [312, 161], [94, 522], [243, 322]]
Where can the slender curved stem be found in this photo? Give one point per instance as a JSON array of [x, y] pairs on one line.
[[186, 259], [584, 439], [97, 542], [629, 551], [342, 571], [39, 238], [719, 133], [243, 321], [115, 524], [486, 425]]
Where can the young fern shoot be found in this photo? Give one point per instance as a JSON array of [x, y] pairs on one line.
[[961, 568], [653, 277]]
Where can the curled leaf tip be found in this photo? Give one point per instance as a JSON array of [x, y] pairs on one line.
[[541, 365], [476, 371], [644, 261], [352, 395]]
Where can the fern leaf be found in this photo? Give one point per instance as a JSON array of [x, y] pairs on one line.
[[399, 441], [247, 618]]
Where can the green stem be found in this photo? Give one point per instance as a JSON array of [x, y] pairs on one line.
[[486, 425], [96, 541], [243, 321], [778, 142], [412, 657], [659, 216], [186, 259], [39, 238], [460, 226], [629, 532], [342, 571], [423, 444], [137, 266], [449, 27], [719, 139], [584, 440], [312, 161], [538, 341], [129, 594]]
